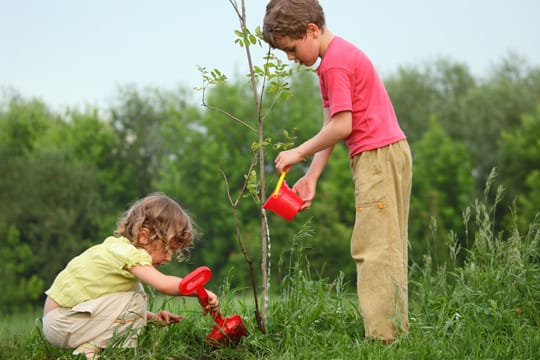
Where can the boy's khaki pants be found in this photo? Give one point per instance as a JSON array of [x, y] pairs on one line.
[[382, 181], [120, 315]]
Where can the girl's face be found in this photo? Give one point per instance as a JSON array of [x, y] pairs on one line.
[[161, 254], [158, 249], [304, 51]]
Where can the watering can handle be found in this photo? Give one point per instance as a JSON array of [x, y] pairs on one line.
[[279, 183], [193, 284]]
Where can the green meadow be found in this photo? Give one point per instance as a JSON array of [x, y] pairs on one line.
[[486, 308]]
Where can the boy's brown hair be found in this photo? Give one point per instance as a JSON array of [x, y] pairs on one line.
[[291, 18], [163, 217]]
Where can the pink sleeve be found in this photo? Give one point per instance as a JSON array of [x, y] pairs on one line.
[[336, 90]]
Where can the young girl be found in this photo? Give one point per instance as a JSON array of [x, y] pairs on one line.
[[356, 109], [99, 294]]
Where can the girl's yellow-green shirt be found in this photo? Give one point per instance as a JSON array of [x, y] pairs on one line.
[[99, 271]]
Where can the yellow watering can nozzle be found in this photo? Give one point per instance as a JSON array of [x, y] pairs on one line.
[[279, 183]]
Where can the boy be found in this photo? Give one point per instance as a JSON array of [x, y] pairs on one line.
[[356, 109]]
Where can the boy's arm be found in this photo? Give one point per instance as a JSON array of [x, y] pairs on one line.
[[333, 130], [321, 157]]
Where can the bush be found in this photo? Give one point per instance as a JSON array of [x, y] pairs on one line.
[[19, 289]]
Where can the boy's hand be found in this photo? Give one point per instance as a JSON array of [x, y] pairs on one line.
[[305, 188], [287, 158], [164, 318]]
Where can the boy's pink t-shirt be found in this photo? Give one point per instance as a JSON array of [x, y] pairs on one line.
[[349, 82]]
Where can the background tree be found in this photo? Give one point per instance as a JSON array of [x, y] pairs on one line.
[[20, 289], [495, 106], [519, 166], [88, 141], [472, 111], [66, 176], [442, 187], [433, 89], [48, 197], [200, 146], [137, 117]]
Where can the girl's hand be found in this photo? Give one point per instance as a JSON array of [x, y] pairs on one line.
[[213, 303], [164, 318]]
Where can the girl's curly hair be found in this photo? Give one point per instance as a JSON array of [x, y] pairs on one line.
[[163, 217]]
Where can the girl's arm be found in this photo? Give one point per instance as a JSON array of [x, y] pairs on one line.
[[166, 284]]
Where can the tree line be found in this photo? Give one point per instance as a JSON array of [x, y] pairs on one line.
[[67, 175]]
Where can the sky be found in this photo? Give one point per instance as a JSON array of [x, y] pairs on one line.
[[74, 53]]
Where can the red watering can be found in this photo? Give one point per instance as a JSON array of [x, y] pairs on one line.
[[228, 330], [283, 200]]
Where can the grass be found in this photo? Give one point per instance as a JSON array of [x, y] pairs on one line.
[[486, 308], [18, 324]]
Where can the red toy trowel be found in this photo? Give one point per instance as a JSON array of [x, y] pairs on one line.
[[228, 330]]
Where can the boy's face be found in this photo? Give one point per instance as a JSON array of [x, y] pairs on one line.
[[304, 51]]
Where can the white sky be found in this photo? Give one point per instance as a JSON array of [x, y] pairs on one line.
[[77, 53]]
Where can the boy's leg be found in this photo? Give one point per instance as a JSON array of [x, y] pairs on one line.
[[382, 179]]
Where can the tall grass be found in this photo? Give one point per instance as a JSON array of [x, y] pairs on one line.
[[490, 306], [486, 308]]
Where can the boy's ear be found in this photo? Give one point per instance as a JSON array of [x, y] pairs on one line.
[[312, 30]]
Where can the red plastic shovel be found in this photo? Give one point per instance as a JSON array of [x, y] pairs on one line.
[[228, 330]]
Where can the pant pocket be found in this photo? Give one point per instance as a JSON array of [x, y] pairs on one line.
[[370, 231]]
